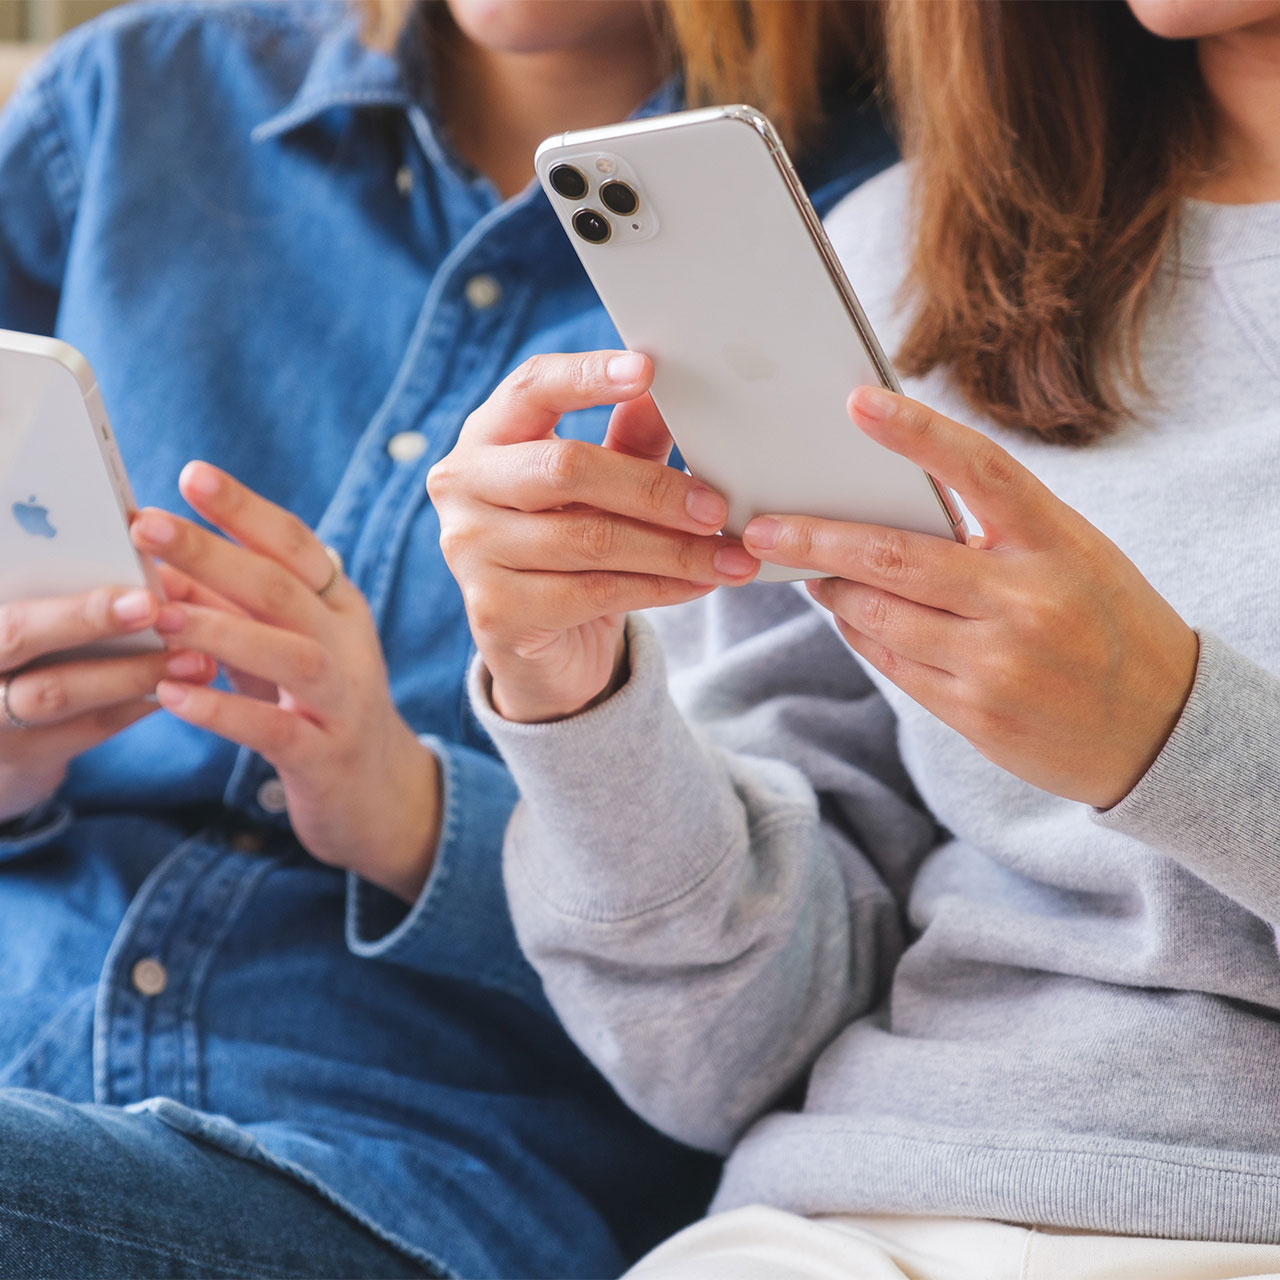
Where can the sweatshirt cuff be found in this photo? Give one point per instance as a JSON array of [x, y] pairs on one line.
[[603, 831], [460, 926], [1209, 800], [41, 826]]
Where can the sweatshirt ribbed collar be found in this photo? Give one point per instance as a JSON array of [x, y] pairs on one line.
[[1216, 235]]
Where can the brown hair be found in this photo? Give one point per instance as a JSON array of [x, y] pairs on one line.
[[1053, 141], [778, 56]]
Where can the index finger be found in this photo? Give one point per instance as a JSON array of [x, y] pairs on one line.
[[549, 474], [1009, 502], [528, 403], [35, 628], [920, 567]]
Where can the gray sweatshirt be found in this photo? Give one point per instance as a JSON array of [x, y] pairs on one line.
[[795, 918]]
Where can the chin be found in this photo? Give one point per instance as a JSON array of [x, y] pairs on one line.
[[542, 26], [1191, 19]]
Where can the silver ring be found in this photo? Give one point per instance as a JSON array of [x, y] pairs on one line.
[[15, 721], [335, 576]]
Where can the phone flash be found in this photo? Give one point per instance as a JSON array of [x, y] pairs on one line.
[[605, 166]]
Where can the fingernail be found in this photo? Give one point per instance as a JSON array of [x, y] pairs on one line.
[[133, 606], [156, 527], [202, 479], [172, 695], [706, 506], [186, 666], [734, 562], [170, 620], [625, 369], [762, 532], [873, 402]]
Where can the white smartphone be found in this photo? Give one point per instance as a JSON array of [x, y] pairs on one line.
[[65, 500], [705, 250]]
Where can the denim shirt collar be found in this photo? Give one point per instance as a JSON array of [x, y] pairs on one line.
[[347, 73], [344, 72]]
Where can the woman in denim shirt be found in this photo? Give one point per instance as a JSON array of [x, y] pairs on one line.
[[255, 227]]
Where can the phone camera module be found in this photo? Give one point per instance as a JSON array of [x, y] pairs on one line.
[[620, 198], [568, 181], [592, 226]]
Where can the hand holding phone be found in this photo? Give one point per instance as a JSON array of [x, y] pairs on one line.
[[52, 711], [78, 656], [554, 541]]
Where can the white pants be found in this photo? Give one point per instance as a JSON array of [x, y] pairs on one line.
[[759, 1243]]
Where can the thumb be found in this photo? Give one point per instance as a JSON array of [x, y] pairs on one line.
[[529, 402]]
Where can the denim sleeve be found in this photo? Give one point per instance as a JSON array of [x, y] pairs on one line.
[[35, 224], [460, 926], [40, 827]]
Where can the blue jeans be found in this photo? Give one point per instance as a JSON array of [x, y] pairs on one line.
[[88, 1191]]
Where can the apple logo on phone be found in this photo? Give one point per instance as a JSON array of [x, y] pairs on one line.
[[34, 518], [749, 361]]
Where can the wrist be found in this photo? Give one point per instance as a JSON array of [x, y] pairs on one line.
[[409, 850], [522, 705]]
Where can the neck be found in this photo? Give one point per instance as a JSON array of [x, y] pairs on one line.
[[1241, 71], [500, 105]]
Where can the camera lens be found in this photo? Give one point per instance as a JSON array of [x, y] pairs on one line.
[[592, 226], [568, 181], [620, 198]]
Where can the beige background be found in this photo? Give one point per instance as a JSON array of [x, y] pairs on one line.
[[26, 26]]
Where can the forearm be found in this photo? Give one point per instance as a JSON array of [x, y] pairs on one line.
[[697, 926], [1211, 799]]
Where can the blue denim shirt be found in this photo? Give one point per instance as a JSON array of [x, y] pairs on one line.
[[255, 231]]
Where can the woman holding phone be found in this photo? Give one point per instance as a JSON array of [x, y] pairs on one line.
[[962, 949], [261, 1007]]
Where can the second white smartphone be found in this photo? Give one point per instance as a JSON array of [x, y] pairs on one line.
[[708, 256], [64, 497]]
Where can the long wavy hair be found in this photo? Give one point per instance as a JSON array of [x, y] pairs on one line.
[[782, 56], [1053, 142]]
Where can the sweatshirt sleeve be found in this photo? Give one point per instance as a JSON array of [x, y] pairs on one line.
[[710, 884], [1211, 798]]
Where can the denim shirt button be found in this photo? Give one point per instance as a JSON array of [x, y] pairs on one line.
[[482, 291], [407, 446], [272, 796], [404, 180], [149, 976]]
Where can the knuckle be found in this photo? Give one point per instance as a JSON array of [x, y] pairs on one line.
[[656, 488], [526, 379], [597, 591], [46, 693], [311, 663], [876, 613], [596, 536], [803, 540], [583, 378], [690, 559], [278, 591], [95, 611], [560, 465], [991, 468], [279, 736], [13, 634], [296, 538], [440, 477], [886, 555], [484, 608]]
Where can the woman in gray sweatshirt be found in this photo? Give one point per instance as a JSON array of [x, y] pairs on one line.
[[952, 923]]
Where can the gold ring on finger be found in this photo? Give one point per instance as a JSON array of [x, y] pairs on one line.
[[335, 573]]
